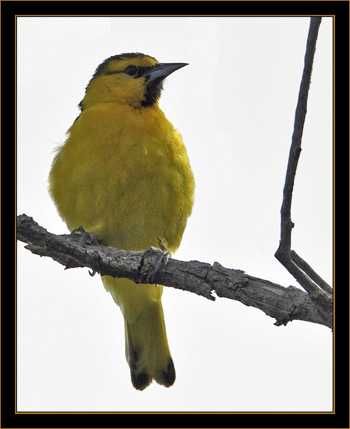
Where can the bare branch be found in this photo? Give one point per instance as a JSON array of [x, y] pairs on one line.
[[283, 304], [300, 270]]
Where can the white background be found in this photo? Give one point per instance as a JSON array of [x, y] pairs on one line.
[[234, 106]]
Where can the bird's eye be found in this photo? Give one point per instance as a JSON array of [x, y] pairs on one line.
[[131, 70]]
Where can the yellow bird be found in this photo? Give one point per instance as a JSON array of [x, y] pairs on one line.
[[123, 174]]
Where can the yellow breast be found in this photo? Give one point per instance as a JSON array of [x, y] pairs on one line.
[[124, 174]]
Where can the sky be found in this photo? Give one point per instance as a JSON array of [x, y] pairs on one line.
[[234, 106]]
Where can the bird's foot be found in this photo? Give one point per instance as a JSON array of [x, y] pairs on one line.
[[85, 238], [163, 258], [152, 261]]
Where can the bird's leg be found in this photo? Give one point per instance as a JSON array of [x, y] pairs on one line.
[[162, 256], [85, 238]]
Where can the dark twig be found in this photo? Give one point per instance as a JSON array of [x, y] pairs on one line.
[[310, 272], [283, 304], [301, 271]]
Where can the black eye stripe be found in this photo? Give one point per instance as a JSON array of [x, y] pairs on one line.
[[136, 72], [132, 71]]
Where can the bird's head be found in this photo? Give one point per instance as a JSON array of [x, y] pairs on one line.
[[134, 79]]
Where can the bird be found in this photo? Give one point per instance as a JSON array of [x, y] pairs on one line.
[[123, 174]]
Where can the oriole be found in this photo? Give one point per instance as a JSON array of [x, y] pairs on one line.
[[123, 174]]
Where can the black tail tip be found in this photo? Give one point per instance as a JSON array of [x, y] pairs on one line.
[[165, 378], [140, 381]]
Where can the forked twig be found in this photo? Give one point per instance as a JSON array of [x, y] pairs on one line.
[[296, 266]]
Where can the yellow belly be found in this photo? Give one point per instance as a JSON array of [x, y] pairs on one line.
[[124, 174]]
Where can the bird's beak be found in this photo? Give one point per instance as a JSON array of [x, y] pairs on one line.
[[161, 70]]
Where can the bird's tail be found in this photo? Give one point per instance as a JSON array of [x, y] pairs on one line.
[[147, 350], [146, 344]]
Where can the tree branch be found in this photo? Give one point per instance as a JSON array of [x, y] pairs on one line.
[[316, 287], [283, 304]]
